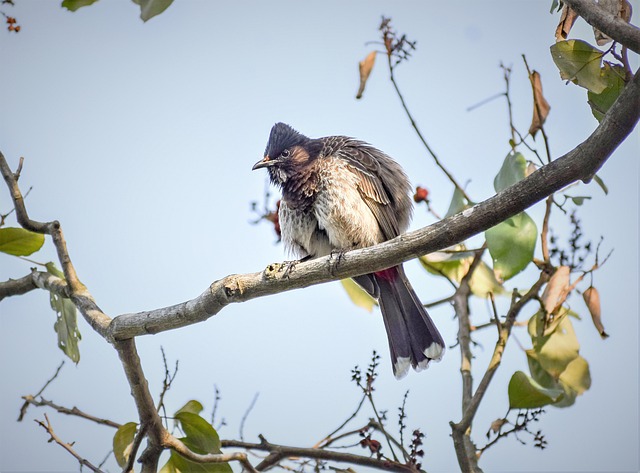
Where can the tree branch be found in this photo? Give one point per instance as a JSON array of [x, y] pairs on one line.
[[579, 164], [74, 411], [183, 450], [619, 30], [281, 452], [68, 447], [16, 287]]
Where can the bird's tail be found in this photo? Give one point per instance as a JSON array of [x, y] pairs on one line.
[[414, 340]]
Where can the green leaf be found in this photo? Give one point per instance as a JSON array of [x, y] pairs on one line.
[[201, 438], [555, 350], [122, 441], [579, 62], [358, 296], [526, 393], [458, 203], [179, 464], [538, 373], [600, 182], [579, 200], [66, 325], [513, 169], [20, 242], [151, 8], [193, 406], [73, 5], [511, 245], [614, 76], [201, 435]]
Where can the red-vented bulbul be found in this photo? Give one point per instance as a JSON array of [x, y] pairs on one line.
[[338, 194]]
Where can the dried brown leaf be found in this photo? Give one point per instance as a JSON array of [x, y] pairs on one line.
[[540, 105], [567, 19], [592, 299], [555, 293], [497, 424], [619, 8], [365, 69]]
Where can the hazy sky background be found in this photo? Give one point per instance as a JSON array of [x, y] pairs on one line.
[[140, 139]]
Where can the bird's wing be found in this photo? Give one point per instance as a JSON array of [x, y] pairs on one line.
[[361, 160]]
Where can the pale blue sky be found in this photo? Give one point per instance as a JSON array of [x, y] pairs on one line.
[[140, 139]]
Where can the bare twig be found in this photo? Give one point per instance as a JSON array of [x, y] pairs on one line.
[[23, 409], [506, 74], [74, 411], [67, 446], [278, 453], [328, 439], [246, 415]]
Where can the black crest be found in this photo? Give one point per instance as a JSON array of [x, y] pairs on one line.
[[283, 137]]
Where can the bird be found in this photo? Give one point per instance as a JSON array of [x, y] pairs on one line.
[[339, 194]]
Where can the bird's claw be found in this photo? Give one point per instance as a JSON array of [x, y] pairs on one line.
[[336, 255]]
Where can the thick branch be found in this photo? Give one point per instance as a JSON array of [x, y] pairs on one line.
[[16, 287], [579, 164], [149, 417], [619, 30]]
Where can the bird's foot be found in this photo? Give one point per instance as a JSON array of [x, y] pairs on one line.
[[335, 257], [284, 269]]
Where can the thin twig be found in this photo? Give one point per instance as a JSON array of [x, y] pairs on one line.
[[328, 439], [66, 446], [74, 411], [135, 446], [246, 415], [23, 409], [419, 133], [278, 453]]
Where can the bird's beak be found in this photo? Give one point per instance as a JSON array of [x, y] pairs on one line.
[[264, 163]]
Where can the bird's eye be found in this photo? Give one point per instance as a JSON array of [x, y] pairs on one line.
[[286, 153]]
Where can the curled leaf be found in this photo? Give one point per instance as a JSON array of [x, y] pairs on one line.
[[592, 299], [567, 19], [365, 69], [540, 105], [555, 292]]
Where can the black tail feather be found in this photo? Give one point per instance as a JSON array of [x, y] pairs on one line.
[[414, 339]]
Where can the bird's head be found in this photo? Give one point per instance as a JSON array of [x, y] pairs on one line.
[[287, 151]]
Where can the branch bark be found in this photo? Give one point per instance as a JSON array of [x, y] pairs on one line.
[[619, 30]]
